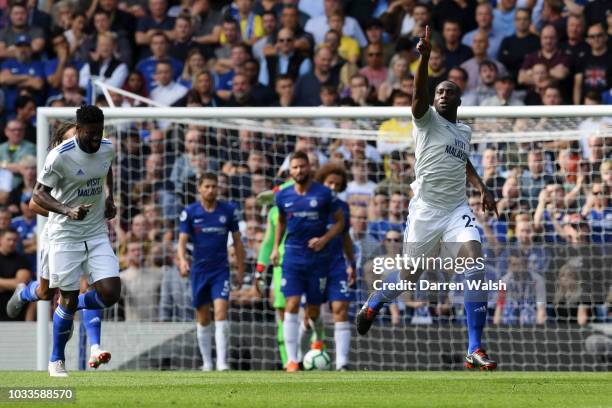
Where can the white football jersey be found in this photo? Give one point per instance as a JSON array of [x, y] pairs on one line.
[[442, 150], [77, 178]]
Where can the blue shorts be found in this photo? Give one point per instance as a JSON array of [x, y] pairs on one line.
[[210, 285], [337, 288], [299, 279]]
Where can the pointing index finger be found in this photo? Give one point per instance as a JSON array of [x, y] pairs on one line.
[[427, 33]]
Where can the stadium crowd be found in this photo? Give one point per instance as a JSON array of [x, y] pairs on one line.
[[554, 198]]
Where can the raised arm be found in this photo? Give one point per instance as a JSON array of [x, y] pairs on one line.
[[420, 100]]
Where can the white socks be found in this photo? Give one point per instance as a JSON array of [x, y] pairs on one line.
[[204, 335], [342, 337], [291, 327], [221, 335]]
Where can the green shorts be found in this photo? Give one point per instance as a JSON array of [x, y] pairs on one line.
[[279, 298]]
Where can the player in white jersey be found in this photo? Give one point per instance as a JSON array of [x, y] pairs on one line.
[[72, 188], [40, 290], [439, 212]]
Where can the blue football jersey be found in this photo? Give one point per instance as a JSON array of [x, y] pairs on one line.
[[336, 246], [209, 233], [307, 217]]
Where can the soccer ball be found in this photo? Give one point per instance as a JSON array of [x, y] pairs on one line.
[[316, 360]]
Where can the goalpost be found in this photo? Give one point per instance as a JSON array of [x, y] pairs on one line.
[[234, 141]]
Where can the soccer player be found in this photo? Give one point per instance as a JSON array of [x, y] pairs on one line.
[[208, 223], [71, 188], [304, 210], [341, 274], [439, 209], [39, 289]]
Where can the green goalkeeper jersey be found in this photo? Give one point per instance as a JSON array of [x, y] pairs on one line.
[[263, 258]]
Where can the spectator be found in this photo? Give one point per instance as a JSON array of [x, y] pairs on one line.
[[6, 186], [270, 25], [21, 72], [241, 94], [437, 70], [523, 302], [175, 293], [194, 63], [54, 67], [465, 12], [504, 88], [308, 86], [318, 26], [208, 23], [285, 62], [488, 73], [167, 92], [455, 53], [534, 179], [159, 51], [459, 76], [103, 65], [593, 72], [575, 46], [421, 13], [570, 304], [154, 187], [395, 134], [514, 47], [360, 90], [480, 44], [541, 81], [182, 42], [598, 213], [25, 226], [191, 163], [140, 285], [122, 22], [102, 23], [290, 18], [202, 90], [19, 28], [397, 19], [251, 26], [15, 270], [69, 89], [549, 213], [374, 31], [5, 218], [398, 67], [552, 11], [15, 149], [359, 190], [374, 70], [25, 107], [154, 21], [363, 242], [76, 34], [503, 18], [240, 55], [348, 47], [484, 19], [550, 55], [285, 95]]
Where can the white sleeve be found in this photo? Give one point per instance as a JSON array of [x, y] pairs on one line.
[[51, 173], [84, 76], [425, 120], [118, 77], [6, 180]]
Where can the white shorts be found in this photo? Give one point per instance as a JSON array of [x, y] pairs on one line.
[[428, 226], [43, 262], [68, 261]]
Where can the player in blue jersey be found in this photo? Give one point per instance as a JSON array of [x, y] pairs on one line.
[[341, 275], [207, 224], [439, 211], [304, 211]]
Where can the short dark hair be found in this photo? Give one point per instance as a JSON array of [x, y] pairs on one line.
[[88, 114], [164, 62], [396, 93], [594, 96], [332, 167], [8, 230], [269, 13], [463, 72], [23, 100], [451, 20], [284, 77], [209, 175], [299, 155]]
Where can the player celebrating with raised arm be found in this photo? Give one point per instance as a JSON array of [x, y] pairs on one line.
[[304, 210], [71, 188], [208, 223], [40, 290], [439, 209]]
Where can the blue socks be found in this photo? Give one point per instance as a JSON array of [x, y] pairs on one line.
[[92, 319], [62, 328], [90, 300], [475, 302], [384, 295], [29, 293]]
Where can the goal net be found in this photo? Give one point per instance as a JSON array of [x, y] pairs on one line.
[[549, 168]]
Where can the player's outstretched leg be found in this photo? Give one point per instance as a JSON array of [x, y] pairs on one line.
[[475, 302], [24, 294], [377, 299], [63, 319]]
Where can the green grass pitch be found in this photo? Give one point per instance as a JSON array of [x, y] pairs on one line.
[[323, 389]]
